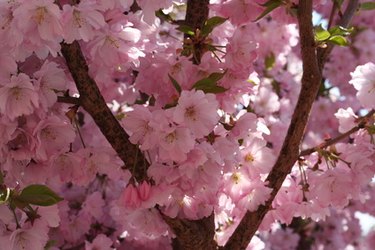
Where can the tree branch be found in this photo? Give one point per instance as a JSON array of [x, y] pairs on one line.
[[93, 102], [344, 22], [361, 124], [290, 150], [196, 13], [312, 67]]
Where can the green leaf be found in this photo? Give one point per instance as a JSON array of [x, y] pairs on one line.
[[209, 84], [212, 23], [176, 85], [338, 40], [39, 195], [269, 62], [186, 29], [270, 6], [367, 6], [321, 34], [338, 30]]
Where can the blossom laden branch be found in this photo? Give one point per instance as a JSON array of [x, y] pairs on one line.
[[335, 140], [93, 102], [290, 150], [313, 63]]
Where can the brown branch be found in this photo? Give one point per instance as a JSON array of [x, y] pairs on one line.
[[196, 13], [193, 234], [361, 124], [93, 102], [290, 150], [344, 22], [312, 66]]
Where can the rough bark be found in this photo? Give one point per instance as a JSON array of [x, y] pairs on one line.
[[93, 102]]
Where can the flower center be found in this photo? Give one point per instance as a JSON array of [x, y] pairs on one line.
[[40, 14], [190, 113], [249, 157]]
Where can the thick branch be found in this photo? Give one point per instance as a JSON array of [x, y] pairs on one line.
[[290, 150], [193, 234], [312, 66], [93, 102], [361, 124], [196, 13]]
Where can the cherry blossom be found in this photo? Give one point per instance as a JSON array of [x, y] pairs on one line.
[[18, 97], [122, 127], [362, 80]]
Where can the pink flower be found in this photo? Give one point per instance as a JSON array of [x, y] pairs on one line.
[[363, 80], [41, 16], [94, 204], [81, 21], [346, 119], [257, 195], [137, 125], [131, 197], [175, 144], [33, 238], [197, 111], [54, 136], [241, 50], [50, 78], [113, 46], [144, 191], [149, 8], [101, 242], [256, 157], [18, 97]]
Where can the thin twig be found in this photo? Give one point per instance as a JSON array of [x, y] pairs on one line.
[[69, 100], [361, 124]]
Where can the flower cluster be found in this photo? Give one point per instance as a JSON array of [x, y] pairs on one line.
[[209, 133]]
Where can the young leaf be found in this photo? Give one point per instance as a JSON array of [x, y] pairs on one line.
[[39, 195], [209, 84], [338, 40], [321, 34], [270, 6], [186, 29], [338, 30], [176, 85], [212, 23], [367, 6]]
